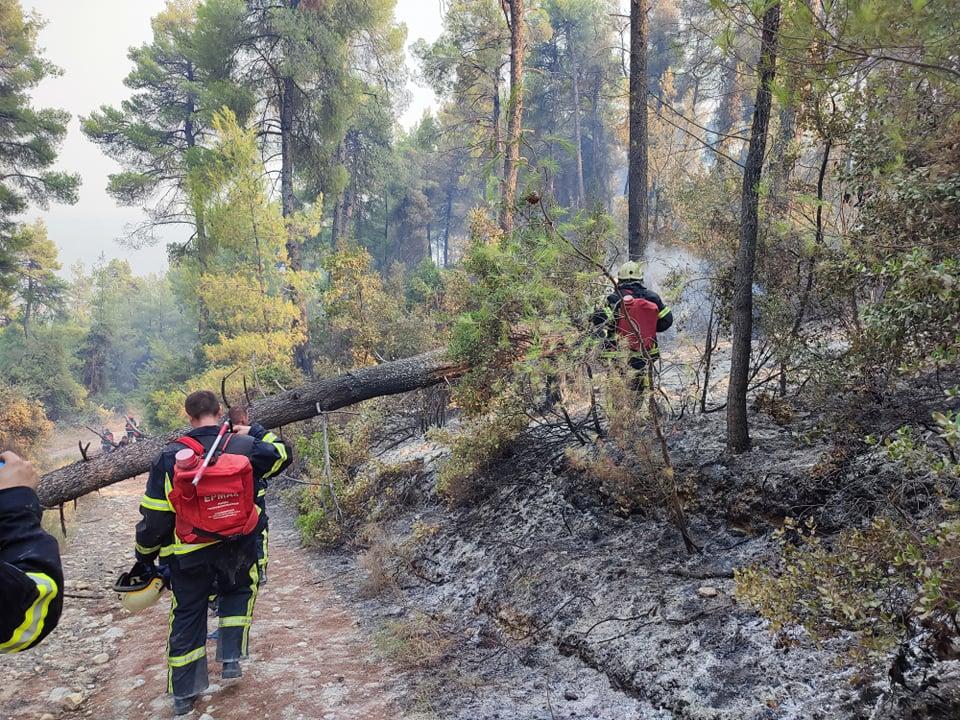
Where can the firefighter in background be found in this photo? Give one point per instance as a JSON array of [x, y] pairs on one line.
[[206, 534], [239, 416], [631, 320], [132, 430], [31, 577], [107, 441]]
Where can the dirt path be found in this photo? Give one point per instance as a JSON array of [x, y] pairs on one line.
[[309, 659]]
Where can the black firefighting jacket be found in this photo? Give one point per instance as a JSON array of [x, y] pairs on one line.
[[607, 317], [268, 454], [31, 577]]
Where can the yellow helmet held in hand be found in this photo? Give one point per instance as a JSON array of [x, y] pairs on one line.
[[631, 271], [139, 589]]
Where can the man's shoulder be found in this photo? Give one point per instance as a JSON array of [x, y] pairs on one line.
[[240, 444], [645, 293]]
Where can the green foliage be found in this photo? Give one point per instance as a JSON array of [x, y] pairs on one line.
[[30, 136], [180, 79], [42, 367], [371, 318], [918, 318], [858, 584], [871, 582], [24, 427], [336, 504], [475, 449], [37, 290], [520, 298]]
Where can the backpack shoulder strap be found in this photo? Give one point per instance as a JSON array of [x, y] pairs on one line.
[[191, 443]]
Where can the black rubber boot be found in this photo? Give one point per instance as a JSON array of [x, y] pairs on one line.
[[183, 706], [232, 670]]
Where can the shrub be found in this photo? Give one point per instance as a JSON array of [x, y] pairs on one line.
[[474, 449], [24, 427], [873, 582], [333, 509], [415, 643]]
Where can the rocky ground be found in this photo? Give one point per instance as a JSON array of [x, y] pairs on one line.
[[541, 602], [310, 660]]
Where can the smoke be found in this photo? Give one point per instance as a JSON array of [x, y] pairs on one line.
[[665, 267]]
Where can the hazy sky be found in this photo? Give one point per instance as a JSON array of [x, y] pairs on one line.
[[89, 40]]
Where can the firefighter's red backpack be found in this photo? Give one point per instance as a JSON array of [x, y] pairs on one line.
[[638, 316], [221, 506]]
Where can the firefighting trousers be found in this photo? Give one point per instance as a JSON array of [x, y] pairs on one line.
[[231, 574], [263, 536]]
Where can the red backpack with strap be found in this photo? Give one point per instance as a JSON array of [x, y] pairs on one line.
[[221, 506], [637, 322]]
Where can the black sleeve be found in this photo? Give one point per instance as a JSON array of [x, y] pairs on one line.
[[155, 529], [257, 431], [665, 318], [270, 455], [31, 577]]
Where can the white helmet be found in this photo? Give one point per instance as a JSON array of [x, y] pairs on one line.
[[137, 592]]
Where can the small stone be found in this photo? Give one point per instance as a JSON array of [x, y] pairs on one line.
[[708, 592], [276, 609], [73, 701], [206, 716], [101, 659], [47, 716], [570, 696], [58, 694]]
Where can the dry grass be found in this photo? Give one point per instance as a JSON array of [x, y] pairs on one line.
[[414, 643]]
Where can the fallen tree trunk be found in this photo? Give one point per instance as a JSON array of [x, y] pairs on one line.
[[302, 403]]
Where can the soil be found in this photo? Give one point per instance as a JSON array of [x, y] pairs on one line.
[[308, 657]]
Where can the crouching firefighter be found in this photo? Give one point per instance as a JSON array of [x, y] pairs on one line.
[[200, 518], [31, 577], [631, 320]]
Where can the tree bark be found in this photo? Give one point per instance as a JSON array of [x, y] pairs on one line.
[[577, 130], [511, 170], [637, 201], [447, 219], [738, 430], [288, 205], [303, 403], [497, 124]]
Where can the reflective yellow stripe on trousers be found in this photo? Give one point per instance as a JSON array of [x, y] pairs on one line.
[[190, 657], [35, 618]]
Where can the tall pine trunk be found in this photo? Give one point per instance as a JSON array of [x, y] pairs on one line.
[[447, 219], [288, 205], [637, 199], [516, 16], [578, 132], [738, 430], [497, 124]]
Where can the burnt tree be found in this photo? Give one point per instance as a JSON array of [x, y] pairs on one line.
[[301, 403], [637, 232]]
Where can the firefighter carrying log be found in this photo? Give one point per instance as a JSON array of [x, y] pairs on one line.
[[633, 316], [31, 577], [201, 519]]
